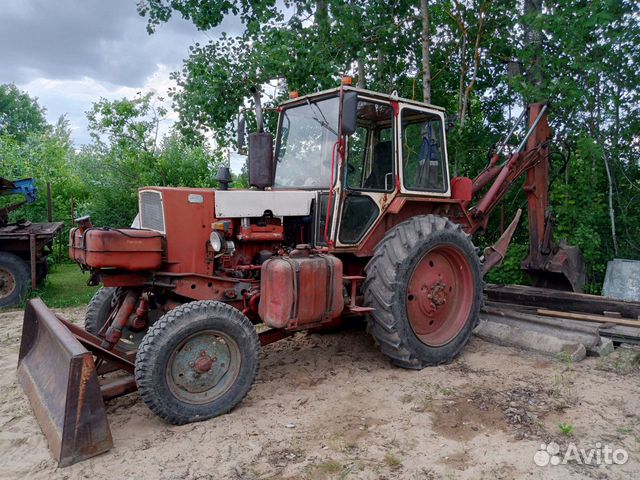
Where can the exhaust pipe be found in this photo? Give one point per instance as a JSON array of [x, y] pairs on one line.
[[258, 102]]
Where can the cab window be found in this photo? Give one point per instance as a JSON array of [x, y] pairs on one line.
[[423, 158], [370, 159]]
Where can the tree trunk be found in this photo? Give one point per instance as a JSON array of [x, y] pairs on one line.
[[463, 72], [476, 65], [321, 12], [595, 127], [533, 45], [612, 213], [426, 46], [361, 83]]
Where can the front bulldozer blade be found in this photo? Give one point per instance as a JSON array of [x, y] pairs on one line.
[[59, 377]]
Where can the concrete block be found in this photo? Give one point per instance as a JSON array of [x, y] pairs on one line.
[[622, 280], [604, 348], [575, 351], [512, 336]]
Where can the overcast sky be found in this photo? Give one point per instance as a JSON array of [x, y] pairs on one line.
[[69, 53]]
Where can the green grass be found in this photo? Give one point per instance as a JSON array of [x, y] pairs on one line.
[[65, 286], [566, 429]]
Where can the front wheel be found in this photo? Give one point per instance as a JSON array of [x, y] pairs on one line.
[[196, 362], [100, 309], [425, 285]]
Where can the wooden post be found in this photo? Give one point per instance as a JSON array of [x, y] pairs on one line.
[[32, 251], [49, 204]]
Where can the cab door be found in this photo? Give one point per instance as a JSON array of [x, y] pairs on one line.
[[369, 176], [422, 151]]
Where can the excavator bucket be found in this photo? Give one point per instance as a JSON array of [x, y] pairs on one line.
[[561, 269], [59, 376]]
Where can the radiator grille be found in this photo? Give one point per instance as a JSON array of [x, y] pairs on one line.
[[151, 214]]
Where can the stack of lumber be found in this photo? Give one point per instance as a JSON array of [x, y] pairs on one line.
[[616, 319]]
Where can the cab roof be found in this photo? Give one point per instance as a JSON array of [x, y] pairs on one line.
[[368, 93]]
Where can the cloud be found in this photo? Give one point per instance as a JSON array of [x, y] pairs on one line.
[[69, 53], [69, 39]]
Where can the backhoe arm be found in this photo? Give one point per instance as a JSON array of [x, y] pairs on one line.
[[549, 265]]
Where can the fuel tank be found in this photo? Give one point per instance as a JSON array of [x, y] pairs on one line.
[[124, 248], [301, 290]]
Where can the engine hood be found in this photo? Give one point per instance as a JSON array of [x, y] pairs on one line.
[[254, 203]]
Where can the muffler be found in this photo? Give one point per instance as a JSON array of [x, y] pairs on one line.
[[59, 376]]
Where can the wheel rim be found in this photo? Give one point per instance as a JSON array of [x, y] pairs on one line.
[[440, 295], [7, 283], [203, 367]]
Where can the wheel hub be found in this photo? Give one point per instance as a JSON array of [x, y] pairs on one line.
[[202, 366], [204, 363], [432, 297], [7, 283], [439, 295]]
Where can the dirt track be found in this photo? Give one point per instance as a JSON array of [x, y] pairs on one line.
[[331, 406]]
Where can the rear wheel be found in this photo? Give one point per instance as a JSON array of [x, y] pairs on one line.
[[425, 284], [15, 277], [198, 361]]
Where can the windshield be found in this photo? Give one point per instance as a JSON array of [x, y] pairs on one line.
[[306, 139]]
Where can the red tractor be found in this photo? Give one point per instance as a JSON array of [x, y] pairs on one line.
[[354, 214]]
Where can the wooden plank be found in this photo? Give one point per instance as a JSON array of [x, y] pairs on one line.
[[556, 299], [618, 333], [589, 318]]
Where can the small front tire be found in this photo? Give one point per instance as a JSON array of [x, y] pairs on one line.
[[197, 362], [99, 309]]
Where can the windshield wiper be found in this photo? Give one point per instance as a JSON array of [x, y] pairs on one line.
[[322, 122]]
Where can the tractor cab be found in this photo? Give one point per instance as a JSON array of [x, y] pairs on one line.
[[357, 150]]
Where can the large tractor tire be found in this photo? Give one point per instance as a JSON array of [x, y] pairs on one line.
[[15, 279], [425, 284], [197, 361]]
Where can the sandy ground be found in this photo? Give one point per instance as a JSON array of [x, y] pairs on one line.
[[331, 406]]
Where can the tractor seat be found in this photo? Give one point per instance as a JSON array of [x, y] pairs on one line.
[[381, 166]]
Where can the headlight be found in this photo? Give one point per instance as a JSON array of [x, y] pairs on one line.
[[217, 242]]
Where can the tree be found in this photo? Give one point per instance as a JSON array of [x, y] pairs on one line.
[[48, 158], [205, 14], [127, 153], [127, 123], [20, 115]]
